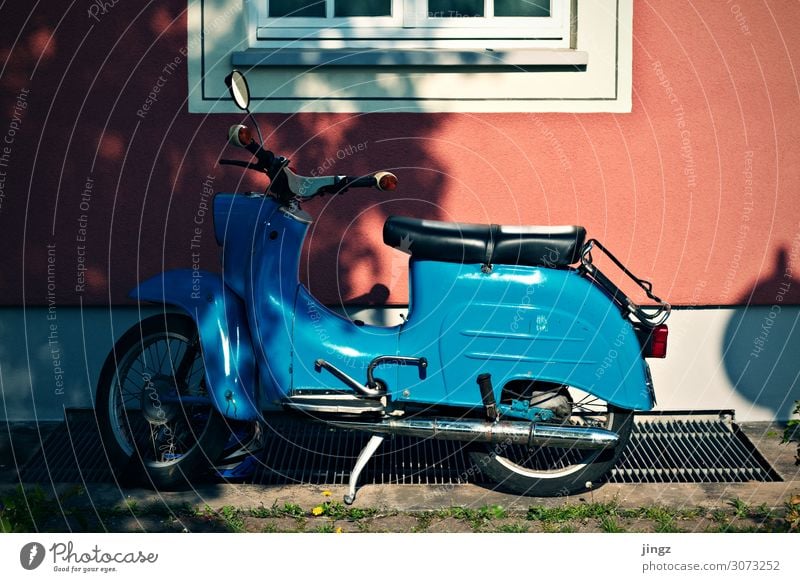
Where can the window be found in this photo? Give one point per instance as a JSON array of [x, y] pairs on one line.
[[413, 23], [413, 55]]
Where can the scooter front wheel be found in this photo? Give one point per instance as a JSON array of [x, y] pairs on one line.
[[550, 471], [156, 418]]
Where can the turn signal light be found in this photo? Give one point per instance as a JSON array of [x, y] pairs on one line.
[[245, 135], [386, 181], [240, 136]]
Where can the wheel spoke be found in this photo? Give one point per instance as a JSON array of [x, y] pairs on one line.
[[154, 440], [160, 350], [149, 358], [583, 400], [550, 467], [160, 358], [168, 359], [135, 388]]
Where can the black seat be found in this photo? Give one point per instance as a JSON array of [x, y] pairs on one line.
[[458, 242]]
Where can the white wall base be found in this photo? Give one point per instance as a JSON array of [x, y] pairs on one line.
[[713, 359], [712, 362]]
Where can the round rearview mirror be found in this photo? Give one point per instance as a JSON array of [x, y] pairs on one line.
[[237, 85]]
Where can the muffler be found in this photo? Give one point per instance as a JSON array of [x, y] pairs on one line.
[[473, 430]]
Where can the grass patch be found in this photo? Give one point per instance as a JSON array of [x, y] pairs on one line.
[[477, 518], [663, 518], [132, 507], [25, 510], [31, 510], [286, 510], [740, 508], [609, 524], [764, 512], [424, 520], [720, 516], [338, 511], [564, 513], [357, 513], [232, 518], [793, 514], [513, 528]]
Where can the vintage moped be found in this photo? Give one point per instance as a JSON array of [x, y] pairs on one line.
[[515, 343]]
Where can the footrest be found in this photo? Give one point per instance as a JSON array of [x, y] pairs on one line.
[[333, 404]]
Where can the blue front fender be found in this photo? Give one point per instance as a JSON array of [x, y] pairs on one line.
[[230, 364]]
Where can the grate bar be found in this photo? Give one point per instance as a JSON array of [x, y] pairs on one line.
[[661, 450]]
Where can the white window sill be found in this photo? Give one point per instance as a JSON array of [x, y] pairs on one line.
[[510, 58]]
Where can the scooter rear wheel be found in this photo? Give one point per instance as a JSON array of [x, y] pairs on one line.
[[148, 434], [549, 471]]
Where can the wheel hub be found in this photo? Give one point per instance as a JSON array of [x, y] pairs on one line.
[[158, 399], [559, 402]]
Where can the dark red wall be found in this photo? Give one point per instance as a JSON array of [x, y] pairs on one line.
[[696, 188]]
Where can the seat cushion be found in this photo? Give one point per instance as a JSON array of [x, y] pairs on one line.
[[459, 242]]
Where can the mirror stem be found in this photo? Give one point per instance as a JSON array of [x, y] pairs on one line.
[[258, 129]]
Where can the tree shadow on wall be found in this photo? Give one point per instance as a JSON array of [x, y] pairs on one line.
[[148, 162], [761, 348], [344, 260]]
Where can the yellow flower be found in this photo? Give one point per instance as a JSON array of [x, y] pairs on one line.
[[326, 493], [338, 530], [317, 510]]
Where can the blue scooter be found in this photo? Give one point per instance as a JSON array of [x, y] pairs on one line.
[[515, 343]]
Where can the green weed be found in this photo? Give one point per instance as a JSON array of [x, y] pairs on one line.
[[232, 518], [609, 524]]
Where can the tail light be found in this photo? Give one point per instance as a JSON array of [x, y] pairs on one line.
[[655, 342]]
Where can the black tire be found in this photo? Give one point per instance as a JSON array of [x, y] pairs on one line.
[[166, 445], [550, 472]]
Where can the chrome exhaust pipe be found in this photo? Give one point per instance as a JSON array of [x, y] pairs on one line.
[[471, 430]]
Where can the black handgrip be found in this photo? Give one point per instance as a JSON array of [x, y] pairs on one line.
[[361, 182], [343, 183]]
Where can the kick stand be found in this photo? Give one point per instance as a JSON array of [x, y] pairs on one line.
[[363, 458]]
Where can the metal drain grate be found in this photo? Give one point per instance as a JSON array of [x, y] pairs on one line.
[[317, 454], [73, 453], [662, 450], [667, 449]]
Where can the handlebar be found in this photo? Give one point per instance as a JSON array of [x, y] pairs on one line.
[[286, 184]]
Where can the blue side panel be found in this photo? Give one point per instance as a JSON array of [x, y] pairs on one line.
[[519, 323], [271, 288], [224, 334], [237, 220], [321, 333]]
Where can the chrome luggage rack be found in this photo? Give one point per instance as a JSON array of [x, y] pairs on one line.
[[649, 316]]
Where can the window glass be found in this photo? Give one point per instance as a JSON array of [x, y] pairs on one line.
[[526, 8], [454, 8], [346, 8], [297, 8]]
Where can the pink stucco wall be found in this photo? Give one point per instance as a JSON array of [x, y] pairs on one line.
[[696, 189]]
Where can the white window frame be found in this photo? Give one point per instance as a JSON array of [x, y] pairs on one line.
[[594, 74], [409, 26]]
